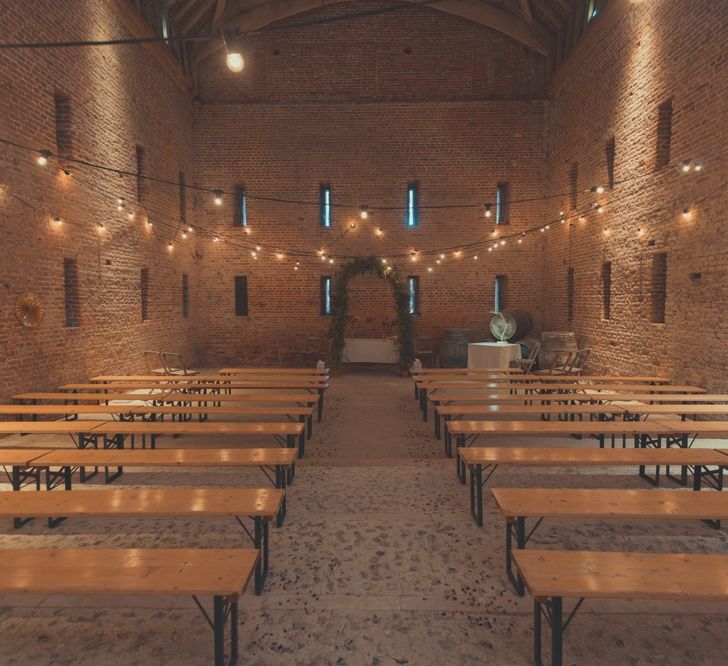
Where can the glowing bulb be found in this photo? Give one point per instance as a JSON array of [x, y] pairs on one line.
[[216, 239], [384, 261], [58, 221], [149, 224], [247, 230], [698, 165], [218, 197], [582, 218], [378, 232], [42, 158], [543, 229], [235, 62], [561, 213], [413, 256], [258, 248], [119, 205], [686, 213], [184, 235], [686, 166], [189, 230], [475, 257], [600, 209], [442, 256], [490, 248], [640, 232], [331, 261], [323, 257], [100, 226], [457, 253], [253, 254], [279, 255], [437, 261], [295, 268], [600, 189], [520, 240], [548, 226], [429, 269], [487, 210], [170, 247], [363, 212], [494, 233], [131, 215], [503, 242], [606, 232]]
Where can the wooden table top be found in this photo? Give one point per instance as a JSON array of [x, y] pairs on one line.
[[688, 410], [549, 379], [135, 571], [290, 410], [197, 386], [60, 410], [303, 396], [20, 457], [161, 457], [674, 576], [597, 504], [495, 410], [563, 428], [49, 427], [564, 387], [493, 396], [84, 397], [202, 379], [273, 371], [466, 371], [505, 455], [144, 503], [148, 427]]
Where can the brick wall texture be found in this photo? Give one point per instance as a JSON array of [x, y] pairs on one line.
[[366, 107]]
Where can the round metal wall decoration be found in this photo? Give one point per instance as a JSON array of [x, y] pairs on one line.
[[29, 309]]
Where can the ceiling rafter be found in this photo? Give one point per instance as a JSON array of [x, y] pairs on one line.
[[196, 16], [525, 6]]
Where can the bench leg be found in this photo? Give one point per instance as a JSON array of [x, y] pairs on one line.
[[222, 609], [557, 632], [302, 437], [320, 405], [476, 492], [436, 419], [261, 543], [461, 465], [281, 476], [17, 483]]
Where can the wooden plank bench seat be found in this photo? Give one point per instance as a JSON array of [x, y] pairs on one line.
[[483, 461], [552, 575], [273, 371], [28, 465], [34, 397], [519, 504], [212, 378], [261, 505], [197, 386], [222, 574], [456, 411]]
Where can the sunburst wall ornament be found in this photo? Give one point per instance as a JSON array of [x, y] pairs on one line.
[[29, 309]]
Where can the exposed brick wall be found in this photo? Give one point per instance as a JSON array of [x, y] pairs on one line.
[[347, 106], [113, 99], [659, 50]]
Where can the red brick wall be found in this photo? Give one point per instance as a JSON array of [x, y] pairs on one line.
[[659, 50], [345, 105], [119, 96]]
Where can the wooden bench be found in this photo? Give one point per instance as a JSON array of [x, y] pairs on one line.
[[552, 575], [221, 573], [219, 379], [261, 505], [273, 371], [518, 504], [487, 391], [29, 464], [456, 411], [480, 460]]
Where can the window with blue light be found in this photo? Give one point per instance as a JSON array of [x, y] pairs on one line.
[[325, 295], [502, 199], [241, 207], [412, 217], [326, 206], [413, 286], [499, 293]]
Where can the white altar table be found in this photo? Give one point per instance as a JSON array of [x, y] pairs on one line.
[[492, 354]]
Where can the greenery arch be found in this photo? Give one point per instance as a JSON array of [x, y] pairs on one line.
[[340, 307]]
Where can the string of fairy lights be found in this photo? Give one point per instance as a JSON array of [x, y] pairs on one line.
[[364, 215]]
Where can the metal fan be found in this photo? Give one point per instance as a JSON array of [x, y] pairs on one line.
[[29, 309], [503, 326]]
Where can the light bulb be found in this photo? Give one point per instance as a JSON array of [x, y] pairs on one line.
[[235, 62], [600, 209], [490, 248], [487, 210], [215, 239], [429, 269], [686, 213], [295, 268], [442, 256], [189, 230], [413, 256], [600, 189], [331, 261], [437, 261], [378, 232], [520, 240], [42, 158], [131, 215], [475, 257], [686, 166], [170, 247], [58, 221], [548, 226], [253, 254], [218, 197], [279, 255], [184, 235], [503, 242], [363, 212], [149, 224], [258, 248], [698, 165]]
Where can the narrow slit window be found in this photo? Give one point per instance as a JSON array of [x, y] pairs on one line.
[[185, 295], [182, 198], [71, 293], [139, 172], [326, 295], [241, 207], [659, 287], [610, 149], [502, 202], [413, 286], [325, 199], [241, 296], [607, 290], [499, 292], [664, 134], [570, 294], [64, 128], [412, 219], [573, 185], [144, 293]]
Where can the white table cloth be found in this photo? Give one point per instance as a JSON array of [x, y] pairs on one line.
[[492, 354], [369, 350]]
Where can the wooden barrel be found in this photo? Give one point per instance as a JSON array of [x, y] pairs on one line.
[[553, 344], [524, 324], [454, 347]]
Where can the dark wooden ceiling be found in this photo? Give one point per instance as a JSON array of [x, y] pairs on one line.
[[548, 27]]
